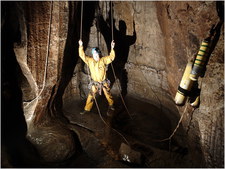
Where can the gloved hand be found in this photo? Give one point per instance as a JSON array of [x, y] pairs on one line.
[[80, 43], [112, 44]]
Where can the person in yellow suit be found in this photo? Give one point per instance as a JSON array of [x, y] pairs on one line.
[[99, 82]]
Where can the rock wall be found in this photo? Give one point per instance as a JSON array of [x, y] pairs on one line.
[[168, 35], [146, 63], [44, 34], [145, 60], [185, 25], [154, 41]]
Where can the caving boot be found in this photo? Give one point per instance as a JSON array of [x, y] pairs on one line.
[[85, 111], [111, 110]]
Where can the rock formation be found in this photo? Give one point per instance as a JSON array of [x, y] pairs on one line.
[[154, 41]]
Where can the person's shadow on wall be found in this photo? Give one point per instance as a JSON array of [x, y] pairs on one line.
[[122, 46]]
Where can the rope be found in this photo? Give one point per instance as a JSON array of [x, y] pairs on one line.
[[99, 112], [120, 92], [189, 124], [46, 60], [107, 124], [174, 131], [97, 23], [113, 67], [112, 20], [81, 19]]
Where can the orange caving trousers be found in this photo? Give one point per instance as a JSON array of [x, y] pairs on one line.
[[92, 94]]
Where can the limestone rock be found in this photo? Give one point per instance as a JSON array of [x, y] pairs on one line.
[[129, 155]]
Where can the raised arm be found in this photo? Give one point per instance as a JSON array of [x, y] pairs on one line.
[[81, 52], [111, 57], [132, 39]]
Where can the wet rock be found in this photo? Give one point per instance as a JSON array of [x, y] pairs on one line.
[[129, 155], [183, 35], [168, 34], [53, 143], [40, 53]]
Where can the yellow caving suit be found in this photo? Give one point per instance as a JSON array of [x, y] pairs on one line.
[[98, 75]]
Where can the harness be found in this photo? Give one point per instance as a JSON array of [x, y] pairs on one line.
[[99, 85]]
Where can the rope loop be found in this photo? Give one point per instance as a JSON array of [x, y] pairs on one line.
[[46, 58]]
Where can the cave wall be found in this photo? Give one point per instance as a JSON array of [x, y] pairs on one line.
[[168, 35], [145, 59], [42, 37], [185, 25]]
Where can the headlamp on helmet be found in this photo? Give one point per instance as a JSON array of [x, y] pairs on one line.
[[95, 50]]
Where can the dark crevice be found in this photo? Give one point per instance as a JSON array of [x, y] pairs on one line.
[[18, 151], [71, 49]]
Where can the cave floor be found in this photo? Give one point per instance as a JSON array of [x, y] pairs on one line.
[[101, 136]]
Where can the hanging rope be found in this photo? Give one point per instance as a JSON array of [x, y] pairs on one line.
[[99, 112], [120, 92], [112, 19], [81, 19], [169, 138], [114, 74], [107, 124], [97, 23], [174, 131], [46, 59]]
